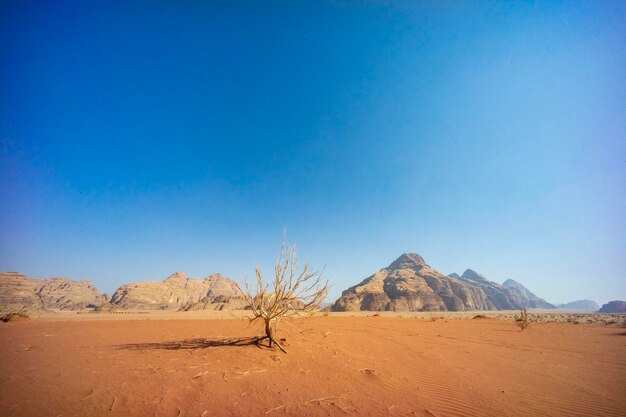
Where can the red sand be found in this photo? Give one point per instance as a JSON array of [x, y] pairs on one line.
[[368, 366]]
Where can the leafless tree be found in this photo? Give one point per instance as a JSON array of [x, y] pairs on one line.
[[292, 292]]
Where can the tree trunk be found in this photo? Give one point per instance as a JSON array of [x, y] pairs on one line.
[[268, 331], [269, 334]]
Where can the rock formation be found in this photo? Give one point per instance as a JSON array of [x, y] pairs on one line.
[[615, 306], [409, 284], [18, 292], [583, 305], [179, 292], [526, 298], [501, 297], [65, 294]]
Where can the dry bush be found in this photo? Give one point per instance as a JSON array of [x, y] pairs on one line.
[[14, 316], [522, 320], [292, 292]]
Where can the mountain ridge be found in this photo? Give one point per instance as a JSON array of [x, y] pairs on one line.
[[583, 305], [179, 292], [20, 292], [410, 284]]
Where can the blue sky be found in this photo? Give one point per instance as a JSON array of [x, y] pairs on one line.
[[138, 140]]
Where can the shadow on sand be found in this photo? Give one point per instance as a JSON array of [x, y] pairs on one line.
[[190, 344]]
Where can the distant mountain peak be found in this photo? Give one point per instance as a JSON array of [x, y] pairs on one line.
[[471, 275], [584, 305], [529, 298], [511, 282], [408, 260], [615, 306], [176, 278]]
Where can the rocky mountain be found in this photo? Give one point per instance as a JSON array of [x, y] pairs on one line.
[[501, 297], [65, 294], [615, 306], [583, 305], [517, 295], [409, 284], [526, 298], [179, 292], [17, 291]]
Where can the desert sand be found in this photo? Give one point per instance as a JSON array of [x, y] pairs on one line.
[[162, 365]]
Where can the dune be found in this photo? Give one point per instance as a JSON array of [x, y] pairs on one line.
[[338, 365]]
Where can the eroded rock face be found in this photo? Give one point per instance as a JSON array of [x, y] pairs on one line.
[[499, 297], [615, 306], [526, 298], [65, 294], [179, 292], [18, 292], [409, 284]]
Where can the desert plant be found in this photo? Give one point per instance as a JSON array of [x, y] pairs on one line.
[[292, 292], [522, 320], [19, 314]]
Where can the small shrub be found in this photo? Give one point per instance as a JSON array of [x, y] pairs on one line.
[[292, 292], [13, 317], [522, 320]]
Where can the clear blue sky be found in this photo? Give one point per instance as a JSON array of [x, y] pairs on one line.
[[142, 139]]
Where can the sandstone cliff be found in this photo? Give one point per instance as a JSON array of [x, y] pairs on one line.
[[17, 292], [179, 292], [65, 294]]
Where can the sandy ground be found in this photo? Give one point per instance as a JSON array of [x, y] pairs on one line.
[[337, 365]]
